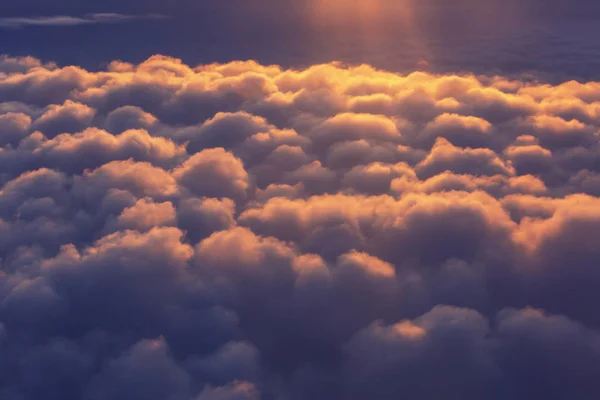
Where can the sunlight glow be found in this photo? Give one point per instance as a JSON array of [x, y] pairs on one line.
[[362, 12], [371, 24]]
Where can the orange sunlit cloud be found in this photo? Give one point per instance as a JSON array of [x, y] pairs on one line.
[[209, 223]]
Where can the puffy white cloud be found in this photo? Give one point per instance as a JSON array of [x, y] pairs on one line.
[[139, 178], [459, 351], [241, 231], [69, 117], [128, 117], [213, 173], [444, 156], [146, 214], [13, 127], [201, 217]]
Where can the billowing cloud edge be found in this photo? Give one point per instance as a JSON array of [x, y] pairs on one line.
[[241, 231]]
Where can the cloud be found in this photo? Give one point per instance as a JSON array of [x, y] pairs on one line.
[[459, 350], [234, 391], [149, 362], [240, 231], [13, 127], [213, 173], [66, 21]]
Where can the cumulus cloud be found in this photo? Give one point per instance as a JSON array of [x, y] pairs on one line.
[[240, 231]]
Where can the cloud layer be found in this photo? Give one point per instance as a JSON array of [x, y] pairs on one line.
[[243, 231]]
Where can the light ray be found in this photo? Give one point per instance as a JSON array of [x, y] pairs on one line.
[[375, 25]]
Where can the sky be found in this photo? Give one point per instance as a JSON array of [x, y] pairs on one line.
[[547, 37], [299, 200]]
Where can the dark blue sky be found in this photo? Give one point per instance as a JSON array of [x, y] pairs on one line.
[[549, 38]]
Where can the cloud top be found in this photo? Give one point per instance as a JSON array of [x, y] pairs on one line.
[[243, 231]]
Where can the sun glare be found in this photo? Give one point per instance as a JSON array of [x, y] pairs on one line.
[[376, 25], [361, 12]]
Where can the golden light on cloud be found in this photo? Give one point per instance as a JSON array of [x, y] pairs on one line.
[[334, 221], [408, 330]]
